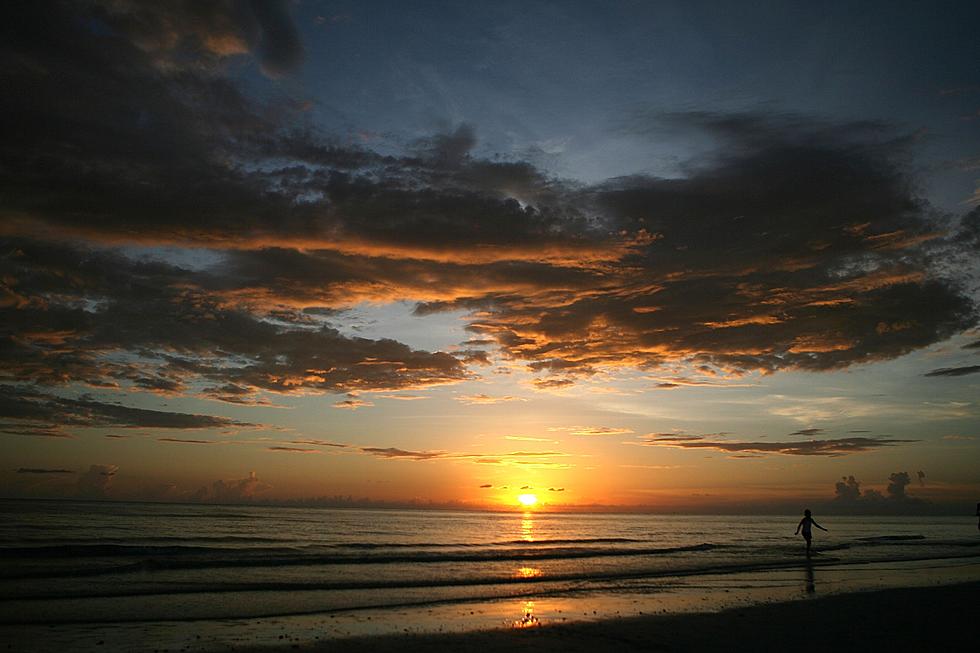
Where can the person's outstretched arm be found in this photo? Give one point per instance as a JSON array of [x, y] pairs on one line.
[[799, 526], [818, 525]]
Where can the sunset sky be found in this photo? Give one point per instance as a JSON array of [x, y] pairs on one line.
[[677, 255]]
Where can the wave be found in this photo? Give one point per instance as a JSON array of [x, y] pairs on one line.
[[182, 561], [114, 548], [552, 584]]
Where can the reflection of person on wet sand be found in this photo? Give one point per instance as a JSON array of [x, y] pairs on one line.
[[806, 524], [811, 587]]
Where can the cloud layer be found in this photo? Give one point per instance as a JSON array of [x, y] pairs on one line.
[[164, 230]]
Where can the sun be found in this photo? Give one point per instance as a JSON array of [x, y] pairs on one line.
[[527, 499]]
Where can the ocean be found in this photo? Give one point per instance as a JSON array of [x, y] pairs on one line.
[[83, 564]]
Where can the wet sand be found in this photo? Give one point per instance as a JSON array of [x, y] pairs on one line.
[[918, 619]]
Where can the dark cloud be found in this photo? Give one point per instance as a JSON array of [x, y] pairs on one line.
[[35, 470], [835, 287], [34, 430], [204, 32], [482, 399], [847, 489], [180, 334], [231, 491], [294, 450], [922, 477], [955, 371], [34, 409], [95, 483], [848, 494], [794, 244], [834, 447], [185, 441], [897, 483], [485, 485], [321, 443], [279, 46], [392, 452], [807, 432]]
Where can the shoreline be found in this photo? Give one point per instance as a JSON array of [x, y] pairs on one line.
[[924, 618], [654, 610]]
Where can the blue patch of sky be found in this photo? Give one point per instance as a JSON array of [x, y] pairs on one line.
[[437, 332], [555, 82]]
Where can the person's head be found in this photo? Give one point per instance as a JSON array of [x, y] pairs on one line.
[[806, 513]]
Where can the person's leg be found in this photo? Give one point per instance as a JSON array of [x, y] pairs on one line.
[[808, 547]]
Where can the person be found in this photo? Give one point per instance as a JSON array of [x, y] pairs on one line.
[[805, 524]]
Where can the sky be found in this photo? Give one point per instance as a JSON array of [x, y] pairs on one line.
[[674, 256]]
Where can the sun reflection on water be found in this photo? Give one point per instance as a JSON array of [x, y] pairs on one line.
[[528, 620], [527, 527], [527, 572]]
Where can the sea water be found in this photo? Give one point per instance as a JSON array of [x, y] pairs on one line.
[[68, 562]]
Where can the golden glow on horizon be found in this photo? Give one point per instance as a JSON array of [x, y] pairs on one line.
[[527, 500]]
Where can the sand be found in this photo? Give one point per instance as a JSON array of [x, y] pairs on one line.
[[918, 619]]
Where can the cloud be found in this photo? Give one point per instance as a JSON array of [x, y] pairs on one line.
[[848, 493], [485, 485], [352, 404], [847, 489], [36, 470], [35, 430], [683, 382], [294, 450], [955, 371], [33, 408], [831, 447], [807, 432], [553, 384], [95, 483], [591, 430], [393, 452], [761, 256], [168, 33], [485, 400], [897, 483], [231, 491], [320, 443], [922, 477], [524, 438], [185, 441]]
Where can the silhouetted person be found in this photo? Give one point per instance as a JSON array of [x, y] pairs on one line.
[[806, 523]]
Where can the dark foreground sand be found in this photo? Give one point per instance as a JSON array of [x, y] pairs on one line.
[[945, 618]]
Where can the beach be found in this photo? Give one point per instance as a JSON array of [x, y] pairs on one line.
[[920, 619]]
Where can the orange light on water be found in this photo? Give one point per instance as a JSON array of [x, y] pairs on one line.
[[527, 572]]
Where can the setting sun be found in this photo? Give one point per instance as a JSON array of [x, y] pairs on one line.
[[527, 499]]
